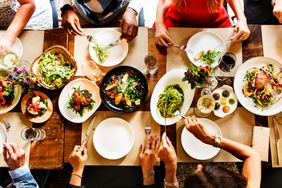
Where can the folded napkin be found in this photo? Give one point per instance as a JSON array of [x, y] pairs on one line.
[[137, 50], [137, 120], [177, 58], [18, 123], [273, 149]]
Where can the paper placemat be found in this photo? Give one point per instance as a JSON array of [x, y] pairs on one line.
[[272, 41], [238, 127], [18, 122], [273, 150], [138, 120], [138, 49], [177, 58]]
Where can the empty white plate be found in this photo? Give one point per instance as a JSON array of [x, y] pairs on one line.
[[116, 53], [113, 138], [17, 47], [204, 41], [195, 147], [3, 136]]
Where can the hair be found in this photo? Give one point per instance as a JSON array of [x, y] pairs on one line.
[[213, 5], [214, 176]]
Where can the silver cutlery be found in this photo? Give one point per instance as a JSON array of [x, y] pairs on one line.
[[88, 132], [177, 113], [148, 128], [277, 139], [92, 40], [8, 126]]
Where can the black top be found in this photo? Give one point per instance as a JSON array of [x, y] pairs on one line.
[[259, 12]]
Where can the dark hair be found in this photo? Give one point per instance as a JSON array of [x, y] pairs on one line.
[[214, 176]]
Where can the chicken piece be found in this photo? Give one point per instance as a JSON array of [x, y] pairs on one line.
[[110, 87], [261, 80], [86, 101], [124, 78], [118, 98], [127, 100], [76, 95]]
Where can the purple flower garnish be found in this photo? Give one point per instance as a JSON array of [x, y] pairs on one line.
[[27, 81], [23, 69]]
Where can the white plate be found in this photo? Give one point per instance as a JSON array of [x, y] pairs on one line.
[[113, 138], [239, 83], [195, 147], [117, 53], [3, 136], [204, 40], [18, 93], [68, 90], [171, 78], [17, 47], [219, 112]]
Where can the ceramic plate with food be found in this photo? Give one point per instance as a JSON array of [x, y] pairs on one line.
[[104, 55], [113, 138], [79, 100], [171, 94], [124, 89], [225, 101], [54, 68], [201, 49], [10, 93], [36, 107], [258, 86], [195, 147]]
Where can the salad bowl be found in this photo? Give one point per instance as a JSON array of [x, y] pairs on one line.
[[54, 68]]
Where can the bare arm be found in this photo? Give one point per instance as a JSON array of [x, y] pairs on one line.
[[162, 8], [277, 10]]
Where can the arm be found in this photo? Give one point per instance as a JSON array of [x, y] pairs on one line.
[[277, 10], [162, 35], [251, 158], [242, 31], [21, 18], [20, 173]]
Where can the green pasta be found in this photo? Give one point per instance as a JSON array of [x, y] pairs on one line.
[[170, 101]]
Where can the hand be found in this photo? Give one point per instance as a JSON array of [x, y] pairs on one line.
[[129, 27], [14, 156], [70, 22], [194, 126], [78, 158], [162, 35], [167, 153], [5, 43], [148, 154], [241, 31], [277, 10]]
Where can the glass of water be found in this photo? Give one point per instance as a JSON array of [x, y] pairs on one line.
[[151, 63], [33, 134], [92, 71]]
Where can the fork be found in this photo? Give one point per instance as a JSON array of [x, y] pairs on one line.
[[92, 40], [6, 124], [177, 113]]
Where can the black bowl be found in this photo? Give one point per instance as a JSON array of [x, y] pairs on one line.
[[116, 71]]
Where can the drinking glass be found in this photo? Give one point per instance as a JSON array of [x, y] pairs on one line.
[[151, 63], [92, 71], [227, 63], [33, 134]]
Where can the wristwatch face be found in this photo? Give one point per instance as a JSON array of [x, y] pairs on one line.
[[217, 140]]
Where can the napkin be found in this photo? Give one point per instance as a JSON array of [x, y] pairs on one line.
[[261, 141], [273, 150], [237, 126], [177, 58], [18, 122], [137, 50], [272, 41], [137, 120]]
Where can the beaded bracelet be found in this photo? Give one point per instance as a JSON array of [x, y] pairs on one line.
[[77, 175], [149, 174], [171, 185]]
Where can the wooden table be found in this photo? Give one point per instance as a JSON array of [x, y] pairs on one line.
[[63, 135]]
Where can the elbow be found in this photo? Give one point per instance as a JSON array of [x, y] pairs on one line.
[[255, 155], [32, 7]]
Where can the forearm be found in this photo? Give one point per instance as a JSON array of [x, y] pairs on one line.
[[20, 20], [76, 177], [170, 173], [237, 9], [162, 8]]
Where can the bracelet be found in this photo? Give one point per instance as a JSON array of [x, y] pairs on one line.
[[77, 175], [149, 174], [169, 184], [65, 8]]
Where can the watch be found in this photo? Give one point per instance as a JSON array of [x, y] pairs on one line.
[[217, 140]]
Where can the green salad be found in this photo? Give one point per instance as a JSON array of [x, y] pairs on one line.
[[55, 69], [207, 56], [102, 52], [170, 101]]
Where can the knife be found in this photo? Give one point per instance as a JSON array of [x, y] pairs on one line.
[[88, 132], [277, 140]]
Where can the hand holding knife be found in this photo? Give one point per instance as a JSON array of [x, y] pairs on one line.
[[90, 128]]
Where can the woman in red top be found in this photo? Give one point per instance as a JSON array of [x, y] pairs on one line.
[[197, 13]]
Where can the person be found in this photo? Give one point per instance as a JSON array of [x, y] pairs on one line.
[[14, 157], [101, 13], [77, 159], [197, 13], [211, 175], [263, 11], [19, 14]]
